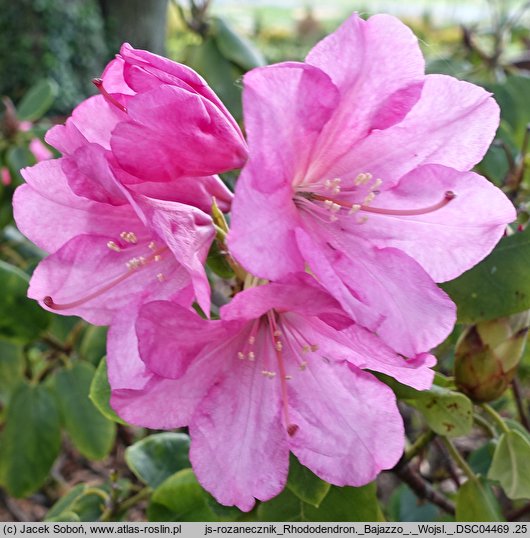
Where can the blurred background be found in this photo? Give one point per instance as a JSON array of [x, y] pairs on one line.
[[74, 459]]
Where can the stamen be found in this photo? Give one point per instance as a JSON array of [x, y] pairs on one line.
[[448, 196], [50, 303], [129, 237], [98, 83], [160, 277], [291, 428], [113, 246], [361, 179]]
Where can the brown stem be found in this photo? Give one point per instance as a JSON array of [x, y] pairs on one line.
[[422, 488], [519, 401], [518, 512]]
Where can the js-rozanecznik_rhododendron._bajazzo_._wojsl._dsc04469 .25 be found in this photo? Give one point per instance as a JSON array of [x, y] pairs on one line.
[[356, 197]]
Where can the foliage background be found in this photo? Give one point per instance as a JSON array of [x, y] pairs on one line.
[[65, 455]]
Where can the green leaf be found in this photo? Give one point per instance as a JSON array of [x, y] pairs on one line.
[[510, 465], [234, 47], [92, 433], [476, 502], [11, 368], [37, 100], [18, 157], [30, 441], [65, 503], [405, 506], [99, 393], [480, 459], [180, 498], [512, 96], [65, 516], [498, 286], [157, 457], [217, 262], [20, 317], [220, 73], [447, 412], [306, 485], [340, 504], [93, 344]]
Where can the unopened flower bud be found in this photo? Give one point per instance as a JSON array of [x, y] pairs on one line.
[[487, 355]]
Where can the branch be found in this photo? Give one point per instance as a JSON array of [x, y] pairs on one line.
[[422, 488]]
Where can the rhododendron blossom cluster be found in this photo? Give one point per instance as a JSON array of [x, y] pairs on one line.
[[356, 197]]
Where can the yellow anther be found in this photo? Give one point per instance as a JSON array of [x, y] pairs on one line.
[[354, 209], [113, 246], [157, 258], [251, 356], [369, 198], [129, 237], [152, 245], [241, 355], [303, 365], [160, 277]]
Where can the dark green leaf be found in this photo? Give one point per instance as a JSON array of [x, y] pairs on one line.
[[30, 441], [234, 47], [217, 262], [11, 368], [65, 503], [340, 504], [220, 73], [37, 100], [180, 498], [157, 457], [510, 465], [20, 317], [100, 393], [480, 459], [18, 157], [92, 433], [306, 485], [476, 502], [94, 344], [498, 286]]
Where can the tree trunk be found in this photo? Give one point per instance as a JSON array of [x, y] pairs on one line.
[[142, 23]]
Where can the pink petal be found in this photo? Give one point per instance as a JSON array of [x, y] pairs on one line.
[[239, 448], [300, 293], [378, 67], [141, 397], [158, 327], [261, 236], [92, 121], [349, 425], [169, 72], [89, 175], [85, 266], [371, 353], [449, 241], [432, 133], [286, 107], [174, 133], [196, 191], [113, 79], [49, 213], [188, 232], [416, 314]]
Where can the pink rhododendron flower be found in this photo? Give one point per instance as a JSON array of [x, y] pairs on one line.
[[170, 111], [281, 370], [108, 247], [359, 169]]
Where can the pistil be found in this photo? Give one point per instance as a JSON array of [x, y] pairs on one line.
[[98, 83]]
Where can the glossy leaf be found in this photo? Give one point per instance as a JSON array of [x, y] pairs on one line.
[[94, 344], [510, 465], [446, 411], [234, 47], [92, 433], [19, 316], [37, 100], [30, 440], [99, 393], [305, 485], [340, 504], [180, 498], [498, 286], [475, 501], [157, 457]]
